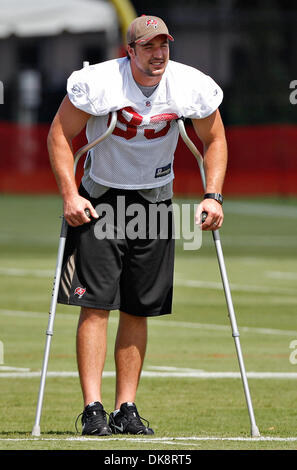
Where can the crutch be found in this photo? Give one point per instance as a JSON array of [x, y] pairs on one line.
[[217, 241], [56, 283]]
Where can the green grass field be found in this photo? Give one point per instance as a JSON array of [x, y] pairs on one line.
[[190, 390]]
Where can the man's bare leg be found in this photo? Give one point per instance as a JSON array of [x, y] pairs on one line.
[[91, 344], [130, 347]]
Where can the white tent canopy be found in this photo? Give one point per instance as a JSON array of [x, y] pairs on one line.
[[51, 17]]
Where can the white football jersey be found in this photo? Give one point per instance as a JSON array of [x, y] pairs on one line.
[[139, 154]]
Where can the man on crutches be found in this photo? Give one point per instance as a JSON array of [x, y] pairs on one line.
[[132, 166]]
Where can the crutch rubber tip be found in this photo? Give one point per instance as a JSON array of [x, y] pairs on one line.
[[36, 431], [255, 431]]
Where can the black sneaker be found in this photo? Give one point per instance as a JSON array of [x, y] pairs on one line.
[[94, 421], [128, 421]]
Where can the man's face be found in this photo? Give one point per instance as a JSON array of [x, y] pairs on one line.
[[150, 60]]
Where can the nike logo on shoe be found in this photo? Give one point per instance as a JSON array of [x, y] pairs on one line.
[[94, 430], [120, 428]]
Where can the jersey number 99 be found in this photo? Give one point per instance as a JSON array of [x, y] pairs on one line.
[[132, 120]]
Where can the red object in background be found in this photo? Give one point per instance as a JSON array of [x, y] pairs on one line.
[[262, 160], [24, 162]]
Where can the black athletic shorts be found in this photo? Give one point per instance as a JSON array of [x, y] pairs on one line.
[[124, 260]]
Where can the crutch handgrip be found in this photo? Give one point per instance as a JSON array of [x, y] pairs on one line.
[[203, 216]]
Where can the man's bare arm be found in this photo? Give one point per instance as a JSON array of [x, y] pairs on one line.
[[68, 122], [211, 132]]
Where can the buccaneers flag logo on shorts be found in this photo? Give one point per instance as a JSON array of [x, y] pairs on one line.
[[80, 291]]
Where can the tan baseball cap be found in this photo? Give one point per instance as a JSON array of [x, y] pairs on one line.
[[146, 27]]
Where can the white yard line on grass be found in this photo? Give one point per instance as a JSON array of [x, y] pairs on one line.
[[191, 283], [260, 209], [161, 440], [254, 241], [246, 329], [235, 287], [26, 272], [158, 322], [14, 369], [288, 276], [198, 374]]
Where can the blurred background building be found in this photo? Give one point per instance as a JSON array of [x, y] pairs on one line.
[[41, 43], [248, 47]]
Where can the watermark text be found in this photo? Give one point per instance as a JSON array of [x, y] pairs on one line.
[[293, 94], [1, 352], [136, 221], [1, 93], [293, 355]]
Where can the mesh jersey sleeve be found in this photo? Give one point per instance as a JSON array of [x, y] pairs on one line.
[[88, 93], [197, 94], [206, 99], [78, 92]]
